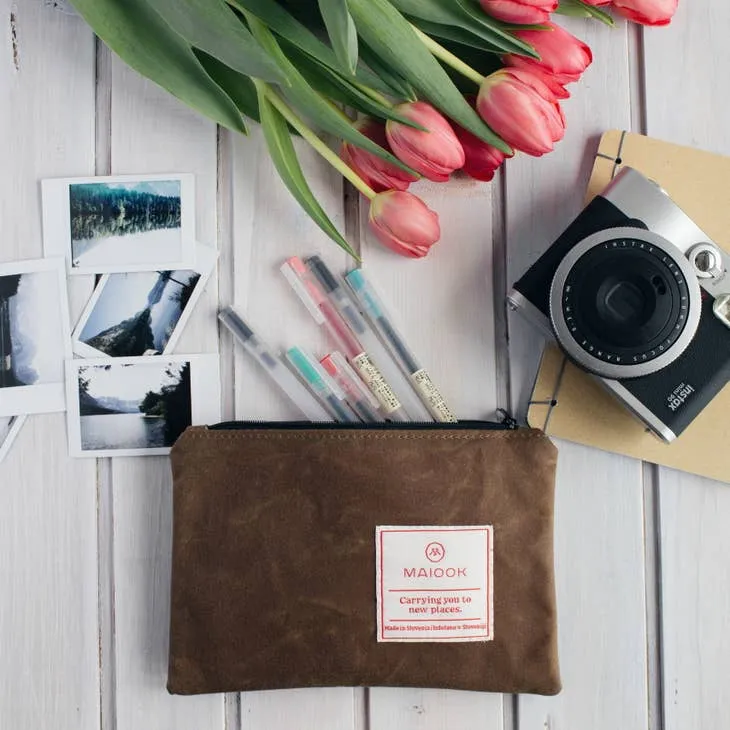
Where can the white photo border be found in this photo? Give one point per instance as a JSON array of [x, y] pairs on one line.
[[205, 398], [57, 222], [42, 397], [205, 260]]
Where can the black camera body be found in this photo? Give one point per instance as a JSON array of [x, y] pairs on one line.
[[638, 295]]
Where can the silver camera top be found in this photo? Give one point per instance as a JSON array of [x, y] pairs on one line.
[[641, 198]]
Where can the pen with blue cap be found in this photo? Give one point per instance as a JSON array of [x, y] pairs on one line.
[[328, 392], [374, 310]]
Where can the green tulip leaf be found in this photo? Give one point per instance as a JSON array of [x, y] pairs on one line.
[[284, 157], [312, 104], [213, 27], [403, 90], [287, 26], [458, 35], [333, 86], [239, 87], [341, 31], [390, 35], [141, 38], [583, 10], [460, 14]]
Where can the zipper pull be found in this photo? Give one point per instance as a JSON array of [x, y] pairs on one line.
[[506, 419]]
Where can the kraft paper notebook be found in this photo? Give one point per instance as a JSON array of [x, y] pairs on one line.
[[569, 404]]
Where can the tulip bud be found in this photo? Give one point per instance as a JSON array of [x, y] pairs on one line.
[[524, 12], [522, 110], [647, 12], [562, 55], [378, 173], [435, 153], [482, 160], [404, 223]]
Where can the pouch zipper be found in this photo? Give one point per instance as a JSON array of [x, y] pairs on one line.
[[507, 423]]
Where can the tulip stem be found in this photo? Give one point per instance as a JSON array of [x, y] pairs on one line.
[[449, 58], [298, 123]]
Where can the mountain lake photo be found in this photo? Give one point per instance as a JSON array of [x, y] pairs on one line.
[[132, 406], [136, 313]]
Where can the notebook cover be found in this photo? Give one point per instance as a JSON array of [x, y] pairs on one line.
[[569, 404]]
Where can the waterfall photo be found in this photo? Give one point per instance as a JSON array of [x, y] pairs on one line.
[[141, 312], [138, 405], [34, 336], [113, 224]]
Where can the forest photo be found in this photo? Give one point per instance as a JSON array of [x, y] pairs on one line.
[[132, 406], [125, 222], [136, 313]]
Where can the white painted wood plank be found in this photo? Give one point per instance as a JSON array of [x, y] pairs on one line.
[[434, 709], [693, 512], [599, 509], [543, 194], [268, 227], [303, 709], [49, 673], [599, 566], [444, 306], [152, 132]]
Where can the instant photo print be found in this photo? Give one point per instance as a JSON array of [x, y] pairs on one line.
[[119, 224], [141, 312], [138, 406], [34, 337]]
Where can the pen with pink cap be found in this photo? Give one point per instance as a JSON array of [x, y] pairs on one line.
[[326, 315]]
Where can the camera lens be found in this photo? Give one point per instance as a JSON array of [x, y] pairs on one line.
[[624, 303]]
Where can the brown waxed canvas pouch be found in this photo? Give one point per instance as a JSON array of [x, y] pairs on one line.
[[274, 555]]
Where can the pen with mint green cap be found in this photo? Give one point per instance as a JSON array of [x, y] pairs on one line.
[[328, 392], [374, 310]]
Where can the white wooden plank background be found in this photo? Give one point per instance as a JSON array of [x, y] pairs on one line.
[[84, 551], [693, 513]]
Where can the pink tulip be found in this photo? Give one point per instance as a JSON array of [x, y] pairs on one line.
[[522, 110], [524, 12], [562, 56], [404, 223], [482, 160], [647, 12], [435, 153], [377, 173]]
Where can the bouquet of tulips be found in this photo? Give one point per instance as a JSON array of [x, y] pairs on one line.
[[410, 88]]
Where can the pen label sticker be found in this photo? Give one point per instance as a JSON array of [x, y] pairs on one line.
[[435, 583], [436, 403], [375, 381]]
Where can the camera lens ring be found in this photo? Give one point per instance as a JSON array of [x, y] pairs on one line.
[[675, 259]]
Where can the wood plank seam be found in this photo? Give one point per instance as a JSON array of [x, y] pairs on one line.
[[650, 473], [653, 583], [104, 479], [226, 267]]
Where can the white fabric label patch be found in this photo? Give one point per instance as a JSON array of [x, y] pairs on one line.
[[435, 583]]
